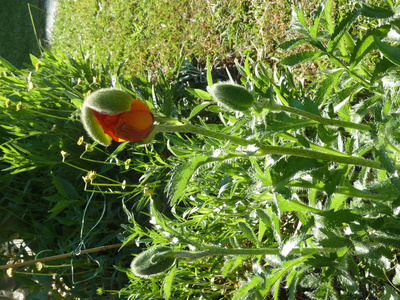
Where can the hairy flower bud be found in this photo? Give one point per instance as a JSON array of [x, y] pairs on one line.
[[153, 261], [232, 96], [112, 114]]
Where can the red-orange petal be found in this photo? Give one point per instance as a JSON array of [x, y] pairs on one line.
[[133, 125]]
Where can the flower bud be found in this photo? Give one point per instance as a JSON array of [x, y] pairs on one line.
[[232, 96], [111, 114], [153, 261]]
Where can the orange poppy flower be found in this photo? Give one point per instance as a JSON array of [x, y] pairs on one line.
[[112, 114], [133, 125]]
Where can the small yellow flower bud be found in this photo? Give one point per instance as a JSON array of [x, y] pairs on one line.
[[91, 175], [19, 106], [8, 103], [10, 272], [80, 141], [39, 266]]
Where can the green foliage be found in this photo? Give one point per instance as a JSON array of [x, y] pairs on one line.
[[234, 196], [309, 172], [59, 190]]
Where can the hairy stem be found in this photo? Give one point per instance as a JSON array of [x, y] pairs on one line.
[[316, 118], [245, 251], [269, 150]]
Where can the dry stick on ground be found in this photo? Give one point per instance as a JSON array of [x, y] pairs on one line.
[[42, 260]]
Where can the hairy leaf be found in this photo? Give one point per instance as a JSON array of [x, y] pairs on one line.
[[392, 53], [301, 57], [376, 12]]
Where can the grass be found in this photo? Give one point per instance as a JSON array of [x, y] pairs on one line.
[[17, 35], [155, 34]]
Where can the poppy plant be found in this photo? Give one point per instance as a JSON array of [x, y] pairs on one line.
[[111, 114]]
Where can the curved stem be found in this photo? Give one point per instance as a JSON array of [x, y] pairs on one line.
[[269, 150], [316, 118]]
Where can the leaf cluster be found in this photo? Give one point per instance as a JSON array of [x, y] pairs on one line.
[[227, 195]]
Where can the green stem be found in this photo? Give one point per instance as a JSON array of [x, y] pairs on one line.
[[308, 153], [269, 150], [316, 118], [245, 251]]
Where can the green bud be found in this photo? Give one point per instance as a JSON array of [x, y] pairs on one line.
[[232, 96], [109, 101], [93, 127], [153, 261]]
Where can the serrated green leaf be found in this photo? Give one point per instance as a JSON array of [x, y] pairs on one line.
[[301, 57], [292, 43], [232, 264], [385, 160], [392, 53], [181, 176], [243, 291], [381, 69], [298, 22], [284, 169], [287, 266], [339, 217], [291, 243], [317, 19], [334, 179], [348, 281], [328, 16], [271, 220], [366, 44], [343, 26], [376, 12], [332, 238], [248, 233], [343, 94], [326, 87]]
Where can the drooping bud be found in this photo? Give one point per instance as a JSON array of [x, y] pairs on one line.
[[112, 114], [232, 96], [153, 261]]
